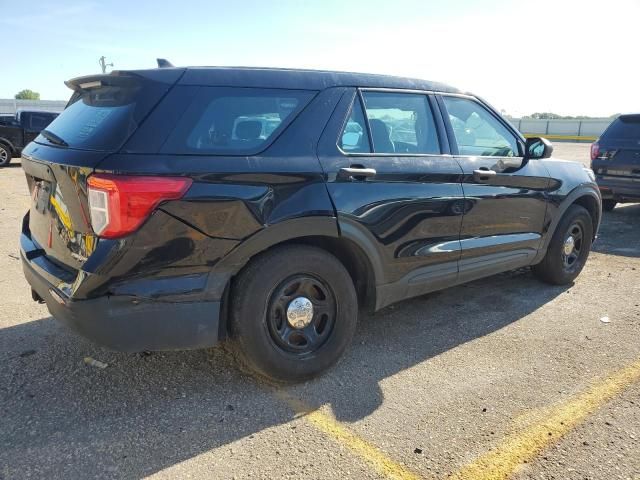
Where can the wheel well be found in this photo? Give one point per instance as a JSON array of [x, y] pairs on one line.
[[353, 259], [6, 144], [351, 256], [591, 205]]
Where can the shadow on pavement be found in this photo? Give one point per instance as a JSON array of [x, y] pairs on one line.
[[620, 231], [145, 413]]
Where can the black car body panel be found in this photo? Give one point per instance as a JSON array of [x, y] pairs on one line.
[[392, 215], [423, 222]]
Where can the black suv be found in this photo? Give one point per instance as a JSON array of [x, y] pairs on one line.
[[175, 207], [615, 158], [18, 130]]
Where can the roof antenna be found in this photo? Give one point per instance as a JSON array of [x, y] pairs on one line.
[[164, 63]]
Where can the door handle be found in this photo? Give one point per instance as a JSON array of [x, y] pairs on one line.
[[358, 173], [484, 175]]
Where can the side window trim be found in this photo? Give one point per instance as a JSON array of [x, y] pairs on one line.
[[441, 126], [451, 137], [366, 119], [449, 128], [355, 97]]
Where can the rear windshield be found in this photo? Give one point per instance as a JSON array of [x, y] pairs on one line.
[[103, 117], [233, 120], [625, 127]]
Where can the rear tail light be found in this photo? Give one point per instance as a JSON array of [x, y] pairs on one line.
[[119, 204], [595, 151]]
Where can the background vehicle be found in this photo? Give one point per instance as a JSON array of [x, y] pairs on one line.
[[165, 215], [615, 159], [17, 131]]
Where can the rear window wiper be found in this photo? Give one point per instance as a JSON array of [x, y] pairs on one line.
[[53, 138]]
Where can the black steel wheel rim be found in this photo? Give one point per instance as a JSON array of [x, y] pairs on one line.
[[571, 258], [309, 338]]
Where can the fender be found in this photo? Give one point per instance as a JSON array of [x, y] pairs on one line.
[[558, 209]]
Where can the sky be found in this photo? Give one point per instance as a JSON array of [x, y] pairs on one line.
[[564, 56]]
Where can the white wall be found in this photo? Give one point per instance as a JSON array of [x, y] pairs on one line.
[[573, 128], [9, 105]]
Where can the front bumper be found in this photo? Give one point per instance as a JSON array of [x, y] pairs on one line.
[[123, 322]]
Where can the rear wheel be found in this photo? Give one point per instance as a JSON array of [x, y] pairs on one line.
[[5, 155], [569, 248], [608, 205], [293, 313]]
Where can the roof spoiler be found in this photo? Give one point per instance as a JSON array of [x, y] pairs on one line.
[[88, 82], [164, 63], [125, 77]]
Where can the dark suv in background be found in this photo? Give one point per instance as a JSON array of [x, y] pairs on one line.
[[175, 207], [18, 130], [615, 159]]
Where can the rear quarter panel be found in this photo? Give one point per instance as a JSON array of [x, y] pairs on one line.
[[272, 196]]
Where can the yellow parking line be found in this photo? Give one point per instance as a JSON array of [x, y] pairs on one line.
[[524, 446], [331, 427]]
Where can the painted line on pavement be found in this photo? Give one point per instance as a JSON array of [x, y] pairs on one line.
[[334, 429], [526, 445]]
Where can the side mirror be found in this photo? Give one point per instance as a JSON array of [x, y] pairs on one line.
[[538, 148]]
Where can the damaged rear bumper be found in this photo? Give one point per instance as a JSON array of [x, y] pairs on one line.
[[123, 322]]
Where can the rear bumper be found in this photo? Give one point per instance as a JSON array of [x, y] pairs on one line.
[[619, 188], [126, 323]]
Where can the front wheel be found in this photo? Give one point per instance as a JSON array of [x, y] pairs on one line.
[[293, 313], [5, 155], [569, 248]]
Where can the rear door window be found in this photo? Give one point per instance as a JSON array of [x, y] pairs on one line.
[[234, 121], [401, 123]]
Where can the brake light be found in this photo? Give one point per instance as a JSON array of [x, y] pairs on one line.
[[119, 204], [595, 150]]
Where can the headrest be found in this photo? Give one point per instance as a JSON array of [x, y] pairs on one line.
[[248, 129]]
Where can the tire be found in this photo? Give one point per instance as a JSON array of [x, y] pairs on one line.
[[608, 205], [5, 155], [263, 299], [558, 267]]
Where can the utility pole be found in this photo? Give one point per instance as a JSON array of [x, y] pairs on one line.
[[103, 64]]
